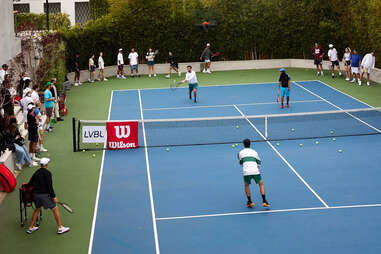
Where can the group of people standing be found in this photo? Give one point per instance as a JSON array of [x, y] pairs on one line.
[[355, 66]]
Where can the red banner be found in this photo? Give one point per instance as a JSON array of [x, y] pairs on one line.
[[122, 135]]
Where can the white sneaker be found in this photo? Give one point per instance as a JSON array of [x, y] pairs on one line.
[[89, 80], [340, 74], [203, 71], [154, 75], [118, 76], [31, 230], [79, 83], [123, 77], [168, 76], [208, 71], [35, 158], [42, 149], [322, 73], [359, 82], [62, 230], [333, 75], [75, 84], [347, 79], [92, 81], [18, 166], [353, 80], [179, 73], [317, 73], [149, 75], [33, 164], [105, 79], [368, 83]]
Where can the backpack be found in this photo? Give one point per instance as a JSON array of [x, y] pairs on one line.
[[7, 179]]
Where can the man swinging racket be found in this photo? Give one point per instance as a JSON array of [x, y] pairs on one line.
[[191, 78]]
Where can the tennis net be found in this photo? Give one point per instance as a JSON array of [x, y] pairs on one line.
[[258, 128]]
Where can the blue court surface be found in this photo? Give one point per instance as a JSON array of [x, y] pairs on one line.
[[191, 199]]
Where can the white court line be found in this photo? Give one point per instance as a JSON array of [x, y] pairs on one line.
[[334, 105], [149, 178], [267, 211], [227, 105], [281, 156], [99, 185], [350, 96]]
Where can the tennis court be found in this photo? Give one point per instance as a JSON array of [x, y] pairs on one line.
[[190, 198]]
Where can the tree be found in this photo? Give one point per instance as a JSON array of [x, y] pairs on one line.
[[98, 8]]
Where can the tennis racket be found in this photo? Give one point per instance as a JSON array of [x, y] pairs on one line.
[[156, 52], [175, 84], [216, 54], [66, 207]]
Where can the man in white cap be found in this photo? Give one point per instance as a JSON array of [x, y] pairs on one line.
[[120, 63], [43, 195], [206, 56], [367, 65], [332, 55]]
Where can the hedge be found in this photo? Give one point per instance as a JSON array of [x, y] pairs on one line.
[[32, 21]]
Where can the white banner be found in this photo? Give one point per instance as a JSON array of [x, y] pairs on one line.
[[94, 134]]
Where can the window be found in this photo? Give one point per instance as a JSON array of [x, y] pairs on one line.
[[21, 8], [53, 7], [82, 12]]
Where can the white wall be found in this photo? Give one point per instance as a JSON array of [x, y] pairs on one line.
[[9, 44], [67, 6]]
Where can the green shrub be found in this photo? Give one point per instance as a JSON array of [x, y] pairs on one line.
[[31, 21]]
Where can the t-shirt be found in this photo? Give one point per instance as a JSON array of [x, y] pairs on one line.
[[32, 124], [48, 95], [191, 77], [2, 76], [356, 59], [25, 102], [133, 58], [250, 161], [206, 54], [347, 56], [332, 53], [76, 62], [120, 59], [317, 52], [35, 97], [171, 59], [91, 62], [101, 63], [150, 56], [369, 61], [283, 79]]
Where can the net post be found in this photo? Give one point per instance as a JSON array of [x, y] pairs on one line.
[[266, 122], [74, 135], [78, 134]]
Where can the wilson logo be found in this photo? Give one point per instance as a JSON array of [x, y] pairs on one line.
[[122, 131]]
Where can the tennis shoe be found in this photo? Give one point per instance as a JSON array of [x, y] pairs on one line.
[[281, 106], [317, 73], [359, 83], [75, 84], [79, 83], [168, 76], [287, 105], [179, 73], [265, 204], [347, 79], [353, 80], [203, 71], [105, 79], [32, 230], [18, 166], [149, 75], [322, 73], [250, 204], [42, 149], [368, 83], [154, 75], [33, 164], [340, 74], [63, 230]]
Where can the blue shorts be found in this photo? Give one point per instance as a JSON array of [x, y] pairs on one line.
[[134, 67], [150, 62], [193, 86], [284, 91]]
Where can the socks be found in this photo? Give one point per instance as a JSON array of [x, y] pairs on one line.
[[264, 198], [249, 199]]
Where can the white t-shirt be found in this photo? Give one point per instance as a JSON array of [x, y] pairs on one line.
[[120, 59], [35, 97], [101, 63], [332, 53], [133, 58], [25, 102], [150, 56], [369, 61], [347, 56], [191, 77], [250, 161], [2, 75]]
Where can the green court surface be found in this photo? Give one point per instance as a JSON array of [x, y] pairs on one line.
[[75, 175]]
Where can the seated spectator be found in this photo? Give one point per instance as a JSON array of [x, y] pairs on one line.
[[17, 145]]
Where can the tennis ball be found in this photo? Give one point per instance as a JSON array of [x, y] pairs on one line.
[[167, 149], [331, 132], [334, 139], [83, 150], [97, 144], [340, 151], [236, 144], [94, 155], [277, 144], [317, 142], [300, 145], [237, 126], [292, 129], [233, 146]]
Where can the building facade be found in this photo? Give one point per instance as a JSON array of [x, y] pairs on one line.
[[78, 10], [10, 46]]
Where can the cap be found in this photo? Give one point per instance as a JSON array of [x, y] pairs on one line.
[[283, 70], [44, 161], [48, 84], [120, 49], [208, 44], [30, 106], [330, 45]]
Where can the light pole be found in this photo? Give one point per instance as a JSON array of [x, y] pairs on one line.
[[47, 14]]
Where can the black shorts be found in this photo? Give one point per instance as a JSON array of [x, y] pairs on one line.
[[120, 67], [174, 65], [43, 200], [33, 135], [335, 63], [318, 61], [347, 63]]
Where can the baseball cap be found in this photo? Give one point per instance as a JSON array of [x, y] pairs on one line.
[[120, 49], [48, 84], [208, 44], [330, 45], [44, 161], [30, 106], [283, 70]]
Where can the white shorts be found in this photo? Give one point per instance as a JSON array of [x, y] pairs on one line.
[[207, 60], [365, 69], [355, 70]]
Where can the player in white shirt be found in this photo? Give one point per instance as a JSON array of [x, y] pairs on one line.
[[134, 62], [367, 65], [251, 162], [101, 67], [332, 55], [150, 56], [347, 63], [191, 78], [120, 63]]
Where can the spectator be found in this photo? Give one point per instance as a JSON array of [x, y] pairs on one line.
[[134, 62], [54, 92], [150, 56], [332, 55], [367, 66], [206, 56], [24, 83], [33, 130], [49, 105], [355, 65], [77, 70], [347, 63], [101, 66], [25, 101], [91, 69], [172, 65], [18, 146], [120, 63], [318, 54], [35, 95], [8, 106], [3, 72], [43, 195]]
